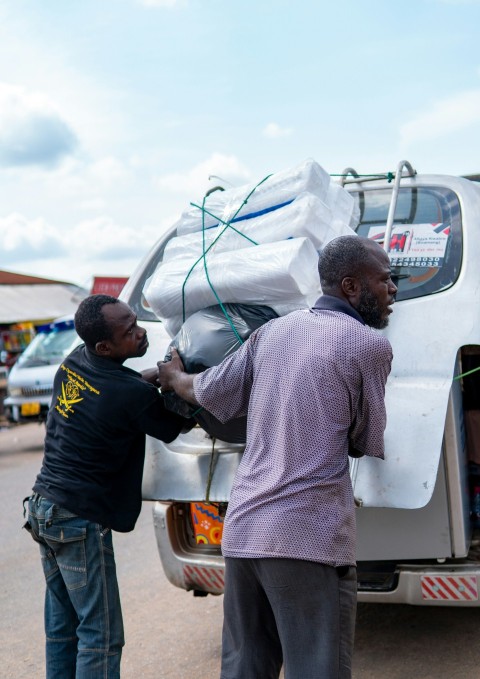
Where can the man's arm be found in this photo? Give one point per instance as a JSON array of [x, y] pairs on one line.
[[223, 390], [366, 436], [172, 377], [159, 422], [150, 375]]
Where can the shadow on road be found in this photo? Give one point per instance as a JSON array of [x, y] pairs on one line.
[[416, 641]]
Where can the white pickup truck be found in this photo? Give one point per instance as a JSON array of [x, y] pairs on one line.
[[414, 510]]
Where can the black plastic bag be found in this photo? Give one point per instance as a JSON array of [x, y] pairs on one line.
[[204, 340]]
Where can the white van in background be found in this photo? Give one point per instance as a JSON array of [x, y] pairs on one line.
[[30, 381]]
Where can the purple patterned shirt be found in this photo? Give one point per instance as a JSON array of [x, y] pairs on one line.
[[309, 382]]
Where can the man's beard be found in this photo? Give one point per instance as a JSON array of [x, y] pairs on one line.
[[369, 309]]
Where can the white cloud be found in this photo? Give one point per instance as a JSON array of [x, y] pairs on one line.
[[25, 239], [108, 171], [76, 183], [103, 237], [32, 131], [195, 182], [274, 131], [92, 204], [445, 116]]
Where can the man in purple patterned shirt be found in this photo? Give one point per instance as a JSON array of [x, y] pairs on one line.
[[312, 385]]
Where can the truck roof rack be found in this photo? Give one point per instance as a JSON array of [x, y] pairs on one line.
[[393, 202], [361, 178], [397, 176]]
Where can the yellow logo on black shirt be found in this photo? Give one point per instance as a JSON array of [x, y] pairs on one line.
[[69, 395], [72, 387]]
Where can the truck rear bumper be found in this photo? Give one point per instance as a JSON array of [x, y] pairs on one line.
[[187, 565], [201, 568], [446, 585]]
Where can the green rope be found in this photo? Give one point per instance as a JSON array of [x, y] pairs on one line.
[[389, 176], [205, 251], [474, 370], [211, 469], [207, 275], [228, 225]]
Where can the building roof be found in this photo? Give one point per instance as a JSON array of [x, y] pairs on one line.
[[38, 302], [10, 278]]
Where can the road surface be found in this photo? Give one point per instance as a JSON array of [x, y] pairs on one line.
[[172, 635]]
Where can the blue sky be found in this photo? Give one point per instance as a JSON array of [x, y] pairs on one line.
[[114, 113]]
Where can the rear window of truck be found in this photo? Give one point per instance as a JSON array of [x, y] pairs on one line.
[[426, 242]]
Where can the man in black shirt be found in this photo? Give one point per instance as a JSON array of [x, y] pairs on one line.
[[90, 484]]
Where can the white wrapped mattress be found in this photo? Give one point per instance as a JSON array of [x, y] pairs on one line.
[[266, 255], [307, 216], [275, 192], [282, 273]]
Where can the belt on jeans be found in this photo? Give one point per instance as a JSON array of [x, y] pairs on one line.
[[34, 497]]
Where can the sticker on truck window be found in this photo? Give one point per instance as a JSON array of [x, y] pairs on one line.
[[421, 245]]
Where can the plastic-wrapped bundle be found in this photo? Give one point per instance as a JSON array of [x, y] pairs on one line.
[[275, 192], [173, 325], [205, 339], [343, 207], [281, 273], [307, 216]]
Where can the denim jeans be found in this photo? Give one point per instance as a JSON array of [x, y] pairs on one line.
[[289, 611], [83, 617]]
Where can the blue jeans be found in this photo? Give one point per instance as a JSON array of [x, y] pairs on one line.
[[83, 616], [289, 611]]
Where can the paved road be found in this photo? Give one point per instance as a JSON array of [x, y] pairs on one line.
[[172, 635]]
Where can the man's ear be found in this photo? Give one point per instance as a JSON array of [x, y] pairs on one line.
[[351, 288], [103, 348]]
